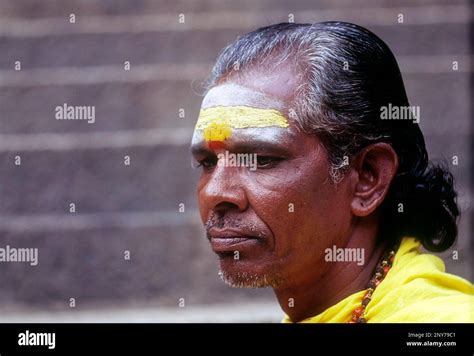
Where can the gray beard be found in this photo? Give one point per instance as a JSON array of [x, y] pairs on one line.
[[246, 280]]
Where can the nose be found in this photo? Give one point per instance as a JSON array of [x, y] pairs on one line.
[[224, 191]]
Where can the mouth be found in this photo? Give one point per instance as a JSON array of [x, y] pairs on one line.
[[231, 240]]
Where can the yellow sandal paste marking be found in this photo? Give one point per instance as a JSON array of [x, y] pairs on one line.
[[217, 122], [217, 131]]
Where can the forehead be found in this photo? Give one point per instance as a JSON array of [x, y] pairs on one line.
[[231, 94], [260, 88], [251, 116], [254, 106]]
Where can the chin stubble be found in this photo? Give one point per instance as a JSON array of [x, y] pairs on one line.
[[248, 280]]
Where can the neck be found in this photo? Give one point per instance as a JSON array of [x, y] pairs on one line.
[[316, 294]]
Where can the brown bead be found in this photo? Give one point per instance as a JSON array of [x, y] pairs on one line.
[[365, 301], [361, 321]]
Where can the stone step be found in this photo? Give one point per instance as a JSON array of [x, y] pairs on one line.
[[165, 264], [184, 46], [113, 49], [119, 106], [134, 106], [34, 9], [158, 178]]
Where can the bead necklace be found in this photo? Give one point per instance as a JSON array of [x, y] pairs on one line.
[[380, 272]]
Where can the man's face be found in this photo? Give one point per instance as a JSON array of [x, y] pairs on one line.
[[269, 226]]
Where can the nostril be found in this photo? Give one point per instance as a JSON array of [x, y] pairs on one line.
[[224, 206]]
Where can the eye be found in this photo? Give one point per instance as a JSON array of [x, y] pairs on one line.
[[207, 163], [267, 161]]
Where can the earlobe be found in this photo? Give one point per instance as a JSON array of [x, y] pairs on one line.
[[376, 167]]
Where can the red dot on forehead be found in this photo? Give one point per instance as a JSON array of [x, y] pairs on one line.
[[215, 145]]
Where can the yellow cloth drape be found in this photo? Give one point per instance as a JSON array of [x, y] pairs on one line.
[[416, 290]]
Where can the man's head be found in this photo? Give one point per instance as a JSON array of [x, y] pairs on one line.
[[306, 101]]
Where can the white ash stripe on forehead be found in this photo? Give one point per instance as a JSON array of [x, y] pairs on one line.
[[236, 95]]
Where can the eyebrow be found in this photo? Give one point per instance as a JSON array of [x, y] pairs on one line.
[[201, 149]]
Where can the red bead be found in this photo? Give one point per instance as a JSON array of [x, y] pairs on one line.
[[377, 282], [358, 312], [386, 269]]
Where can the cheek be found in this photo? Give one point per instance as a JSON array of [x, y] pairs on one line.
[[302, 209], [204, 209]]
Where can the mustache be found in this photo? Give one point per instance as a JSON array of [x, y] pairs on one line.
[[221, 222]]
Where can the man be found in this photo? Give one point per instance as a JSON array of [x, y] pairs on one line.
[[342, 196]]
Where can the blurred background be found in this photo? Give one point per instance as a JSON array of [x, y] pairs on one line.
[[142, 64]]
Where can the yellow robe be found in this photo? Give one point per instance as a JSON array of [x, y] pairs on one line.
[[416, 290]]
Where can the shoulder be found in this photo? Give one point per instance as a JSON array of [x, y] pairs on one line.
[[418, 290]]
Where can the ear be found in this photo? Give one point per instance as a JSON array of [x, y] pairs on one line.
[[373, 171]]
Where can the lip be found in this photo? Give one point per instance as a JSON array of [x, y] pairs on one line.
[[230, 240], [231, 233]]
